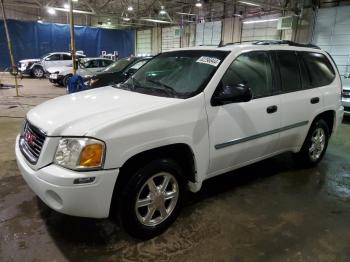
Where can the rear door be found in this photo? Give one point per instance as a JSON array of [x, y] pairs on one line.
[[245, 131], [300, 102]]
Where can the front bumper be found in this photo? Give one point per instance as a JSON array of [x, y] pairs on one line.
[[55, 186], [24, 71]]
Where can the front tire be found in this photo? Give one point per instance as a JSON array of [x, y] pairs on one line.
[[65, 80], [315, 144], [38, 72], [151, 199]]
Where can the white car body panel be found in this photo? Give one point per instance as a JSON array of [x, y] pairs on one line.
[[130, 123]]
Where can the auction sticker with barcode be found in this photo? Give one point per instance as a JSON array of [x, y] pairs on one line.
[[209, 60]]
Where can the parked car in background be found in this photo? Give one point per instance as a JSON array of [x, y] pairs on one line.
[[346, 93], [37, 67], [87, 67], [185, 116], [117, 72]]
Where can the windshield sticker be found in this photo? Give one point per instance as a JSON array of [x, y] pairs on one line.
[[209, 60]]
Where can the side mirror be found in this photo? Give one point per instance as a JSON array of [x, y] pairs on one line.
[[231, 94]]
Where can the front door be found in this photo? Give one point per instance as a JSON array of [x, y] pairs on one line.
[[245, 131]]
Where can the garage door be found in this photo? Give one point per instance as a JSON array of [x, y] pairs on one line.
[[208, 33], [170, 38], [144, 42], [332, 33], [261, 31]]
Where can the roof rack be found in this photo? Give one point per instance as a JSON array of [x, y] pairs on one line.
[[284, 42], [271, 42]]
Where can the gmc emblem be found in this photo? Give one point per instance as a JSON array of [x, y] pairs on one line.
[[29, 137]]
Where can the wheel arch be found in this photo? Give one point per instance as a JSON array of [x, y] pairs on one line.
[[182, 153], [329, 117]]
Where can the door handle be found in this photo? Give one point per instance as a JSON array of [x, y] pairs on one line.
[[271, 109], [315, 100]]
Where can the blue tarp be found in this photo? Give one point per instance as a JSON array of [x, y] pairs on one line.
[[32, 40]]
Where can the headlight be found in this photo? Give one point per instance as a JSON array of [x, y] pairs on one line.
[[93, 81], [80, 153]]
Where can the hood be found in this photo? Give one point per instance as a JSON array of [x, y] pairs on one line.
[[58, 69], [29, 60], [83, 113]]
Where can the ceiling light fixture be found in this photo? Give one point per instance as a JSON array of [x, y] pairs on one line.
[[67, 10], [198, 4], [155, 20], [249, 3], [126, 18], [66, 6], [260, 21], [51, 11], [75, 0], [181, 13], [162, 10], [130, 8]]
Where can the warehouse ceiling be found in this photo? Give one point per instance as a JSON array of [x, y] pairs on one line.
[[150, 13]]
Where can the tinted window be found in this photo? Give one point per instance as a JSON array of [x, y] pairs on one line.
[[119, 65], [304, 73], [94, 63], [289, 69], [252, 69], [319, 68], [66, 57], [104, 63], [53, 57]]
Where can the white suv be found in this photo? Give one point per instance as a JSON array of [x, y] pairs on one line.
[[185, 116]]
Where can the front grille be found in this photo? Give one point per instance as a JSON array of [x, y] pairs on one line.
[[346, 94], [31, 142]]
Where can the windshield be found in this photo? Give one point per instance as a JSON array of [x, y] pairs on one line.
[[43, 56], [179, 74], [118, 66]]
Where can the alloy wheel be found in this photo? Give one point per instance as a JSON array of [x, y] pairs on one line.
[[318, 142], [38, 73], [157, 199]]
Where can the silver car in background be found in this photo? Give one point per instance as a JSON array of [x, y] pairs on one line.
[[346, 93]]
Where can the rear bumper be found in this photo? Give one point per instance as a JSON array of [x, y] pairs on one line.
[[55, 187], [338, 118]]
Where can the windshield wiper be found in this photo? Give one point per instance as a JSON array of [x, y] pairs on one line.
[[168, 89]]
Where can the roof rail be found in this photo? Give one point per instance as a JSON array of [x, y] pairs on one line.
[[284, 42]]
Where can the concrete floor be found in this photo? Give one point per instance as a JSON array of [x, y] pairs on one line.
[[270, 211]]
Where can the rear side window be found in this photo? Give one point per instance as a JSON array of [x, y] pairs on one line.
[[319, 68], [289, 70], [252, 69], [66, 57]]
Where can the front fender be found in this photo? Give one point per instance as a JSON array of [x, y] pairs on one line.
[[34, 65]]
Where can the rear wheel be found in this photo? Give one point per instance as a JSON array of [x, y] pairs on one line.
[[315, 144], [38, 72], [151, 200]]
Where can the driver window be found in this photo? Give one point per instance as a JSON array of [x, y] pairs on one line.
[[252, 69]]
